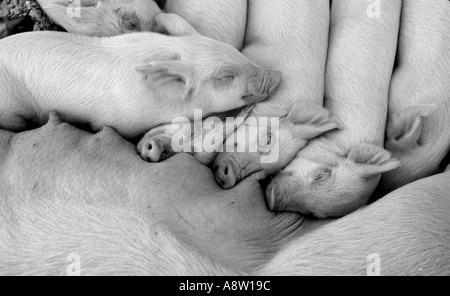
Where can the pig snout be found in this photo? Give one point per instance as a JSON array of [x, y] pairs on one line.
[[263, 85], [229, 169], [225, 175], [150, 150], [281, 194]]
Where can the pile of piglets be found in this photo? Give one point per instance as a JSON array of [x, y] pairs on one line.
[[330, 154], [338, 172], [335, 116]]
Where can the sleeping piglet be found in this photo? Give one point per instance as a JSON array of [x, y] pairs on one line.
[[131, 82]]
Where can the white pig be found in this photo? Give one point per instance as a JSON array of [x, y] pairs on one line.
[[221, 20], [191, 137], [418, 131], [405, 233], [131, 82], [336, 174], [295, 41], [224, 21], [76, 203], [103, 17]]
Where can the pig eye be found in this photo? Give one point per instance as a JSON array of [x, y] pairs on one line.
[[225, 76], [322, 175]]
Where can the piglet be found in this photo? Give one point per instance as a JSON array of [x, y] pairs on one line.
[[268, 146], [132, 82], [418, 131], [295, 41], [274, 146], [336, 174], [202, 139]]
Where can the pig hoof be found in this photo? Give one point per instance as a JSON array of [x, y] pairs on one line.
[[150, 151], [225, 176]]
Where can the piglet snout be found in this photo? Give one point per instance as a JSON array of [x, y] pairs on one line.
[[149, 150], [225, 175]]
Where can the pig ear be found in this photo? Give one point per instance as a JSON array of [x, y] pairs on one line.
[[175, 25], [376, 160], [406, 128], [311, 120], [172, 75]]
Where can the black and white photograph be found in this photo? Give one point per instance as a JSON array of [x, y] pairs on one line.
[[205, 138]]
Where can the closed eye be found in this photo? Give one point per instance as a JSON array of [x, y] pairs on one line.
[[322, 175], [226, 78]]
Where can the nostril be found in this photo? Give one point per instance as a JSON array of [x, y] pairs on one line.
[[151, 151], [225, 172]]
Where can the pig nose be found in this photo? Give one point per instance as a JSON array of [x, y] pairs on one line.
[[274, 197], [150, 150], [225, 176]]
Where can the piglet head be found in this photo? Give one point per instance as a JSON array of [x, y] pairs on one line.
[[268, 144], [207, 74], [104, 17], [328, 185]]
